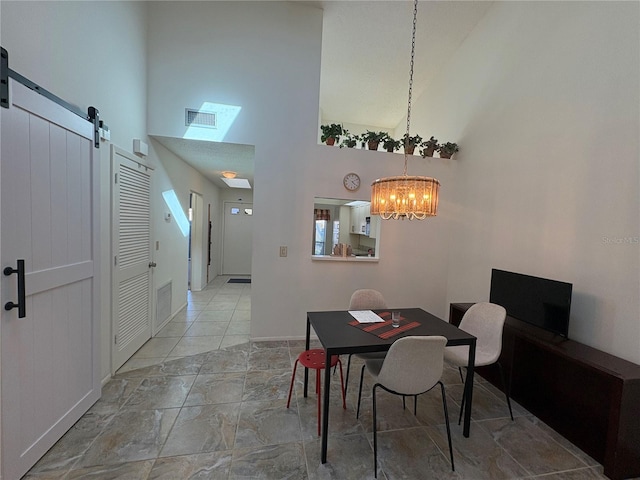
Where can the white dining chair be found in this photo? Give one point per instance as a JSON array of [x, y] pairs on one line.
[[365, 299], [413, 366], [485, 321]]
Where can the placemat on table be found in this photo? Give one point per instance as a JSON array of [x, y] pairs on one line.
[[385, 329]]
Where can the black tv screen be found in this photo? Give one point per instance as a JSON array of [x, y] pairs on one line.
[[538, 301]]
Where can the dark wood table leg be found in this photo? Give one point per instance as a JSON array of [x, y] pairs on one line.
[[325, 406], [306, 347], [468, 389]]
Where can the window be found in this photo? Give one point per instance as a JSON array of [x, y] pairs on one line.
[[320, 237]]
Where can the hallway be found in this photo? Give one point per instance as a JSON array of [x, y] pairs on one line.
[[216, 317]]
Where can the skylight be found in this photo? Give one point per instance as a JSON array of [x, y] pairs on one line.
[[224, 116], [237, 182]]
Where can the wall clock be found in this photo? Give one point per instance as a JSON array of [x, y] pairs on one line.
[[351, 181]]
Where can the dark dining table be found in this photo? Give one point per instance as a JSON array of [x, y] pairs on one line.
[[338, 337]]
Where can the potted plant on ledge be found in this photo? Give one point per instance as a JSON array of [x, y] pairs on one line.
[[410, 143], [350, 140], [446, 150], [373, 139], [331, 133], [391, 145], [430, 146]]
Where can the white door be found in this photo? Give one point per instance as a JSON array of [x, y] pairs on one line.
[[132, 255], [238, 238], [49, 358]]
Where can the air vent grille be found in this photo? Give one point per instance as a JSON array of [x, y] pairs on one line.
[[200, 118]]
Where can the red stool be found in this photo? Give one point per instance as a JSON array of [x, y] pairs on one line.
[[315, 359]]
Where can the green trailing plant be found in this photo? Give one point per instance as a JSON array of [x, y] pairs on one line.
[[430, 146], [331, 133], [373, 139], [410, 143], [446, 150], [391, 145]]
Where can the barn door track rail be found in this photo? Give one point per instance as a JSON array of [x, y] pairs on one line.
[[92, 115]]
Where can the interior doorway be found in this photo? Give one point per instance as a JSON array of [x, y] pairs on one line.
[[209, 241], [196, 280]]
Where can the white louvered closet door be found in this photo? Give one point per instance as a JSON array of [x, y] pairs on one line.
[[132, 262]]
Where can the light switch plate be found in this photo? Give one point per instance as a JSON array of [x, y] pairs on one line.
[[283, 251]]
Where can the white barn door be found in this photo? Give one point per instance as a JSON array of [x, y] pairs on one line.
[[49, 358], [132, 262]]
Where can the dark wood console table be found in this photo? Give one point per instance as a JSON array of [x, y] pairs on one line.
[[588, 396]]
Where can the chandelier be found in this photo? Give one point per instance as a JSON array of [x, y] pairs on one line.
[[406, 196]]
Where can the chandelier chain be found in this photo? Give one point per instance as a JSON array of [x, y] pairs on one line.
[[413, 49], [411, 197]]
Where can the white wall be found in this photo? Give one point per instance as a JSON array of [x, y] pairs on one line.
[[88, 53], [543, 100], [265, 57], [236, 195]]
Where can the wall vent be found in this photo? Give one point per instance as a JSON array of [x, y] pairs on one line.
[[200, 118], [163, 303]]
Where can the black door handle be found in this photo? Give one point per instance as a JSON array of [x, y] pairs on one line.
[[21, 299]]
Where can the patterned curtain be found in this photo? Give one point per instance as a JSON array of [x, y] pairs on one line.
[[322, 214]]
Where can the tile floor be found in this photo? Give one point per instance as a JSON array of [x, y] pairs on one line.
[[214, 318], [215, 408]]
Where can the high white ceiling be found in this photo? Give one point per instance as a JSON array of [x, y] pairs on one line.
[[366, 47], [366, 51]]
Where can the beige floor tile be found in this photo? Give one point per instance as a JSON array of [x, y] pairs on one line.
[[231, 340], [195, 345], [157, 347], [201, 329], [239, 327], [230, 296], [215, 315], [173, 329], [215, 305], [196, 306], [200, 297], [241, 316], [244, 303], [136, 363]]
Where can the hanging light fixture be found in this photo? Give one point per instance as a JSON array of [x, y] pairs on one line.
[[406, 196]]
